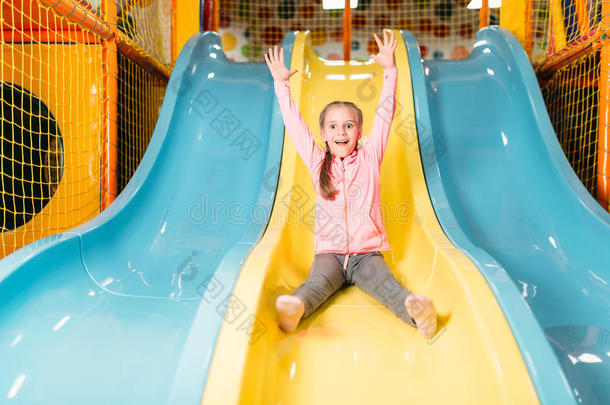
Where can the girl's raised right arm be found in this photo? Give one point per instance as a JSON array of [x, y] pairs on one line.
[[295, 125]]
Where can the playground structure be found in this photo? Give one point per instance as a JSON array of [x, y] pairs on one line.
[[192, 289]]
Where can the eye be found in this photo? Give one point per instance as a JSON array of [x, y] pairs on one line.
[[350, 126], [332, 126]]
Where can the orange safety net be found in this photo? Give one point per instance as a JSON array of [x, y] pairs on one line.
[[554, 27], [565, 39], [572, 100], [140, 97], [77, 113]]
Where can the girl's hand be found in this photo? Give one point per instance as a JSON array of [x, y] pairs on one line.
[[276, 65], [385, 57]]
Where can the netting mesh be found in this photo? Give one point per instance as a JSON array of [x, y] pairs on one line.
[[445, 29], [566, 36], [147, 24], [572, 100], [76, 113], [140, 95], [539, 37], [557, 26]]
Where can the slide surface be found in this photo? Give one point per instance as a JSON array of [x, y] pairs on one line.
[[113, 312], [506, 195], [353, 350]]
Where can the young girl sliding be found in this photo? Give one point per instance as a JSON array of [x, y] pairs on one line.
[[349, 230]]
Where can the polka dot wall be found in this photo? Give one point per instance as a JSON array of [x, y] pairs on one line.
[[445, 29]]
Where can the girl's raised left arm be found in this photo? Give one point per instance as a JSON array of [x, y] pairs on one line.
[[384, 115]]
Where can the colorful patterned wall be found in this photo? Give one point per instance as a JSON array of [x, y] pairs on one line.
[[445, 29]]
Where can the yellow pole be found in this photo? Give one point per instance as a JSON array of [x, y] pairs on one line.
[[187, 19], [559, 31], [174, 32], [514, 17], [529, 27], [582, 15]]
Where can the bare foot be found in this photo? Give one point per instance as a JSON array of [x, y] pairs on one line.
[[421, 309], [290, 309]]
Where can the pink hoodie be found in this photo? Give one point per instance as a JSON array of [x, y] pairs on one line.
[[352, 222]]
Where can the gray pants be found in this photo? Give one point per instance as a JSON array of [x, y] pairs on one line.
[[368, 271]]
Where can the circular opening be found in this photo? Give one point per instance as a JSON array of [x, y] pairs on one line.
[[31, 154]]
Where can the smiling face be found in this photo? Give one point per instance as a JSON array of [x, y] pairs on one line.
[[341, 130]]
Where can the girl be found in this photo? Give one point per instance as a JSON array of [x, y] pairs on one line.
[[349, 231]]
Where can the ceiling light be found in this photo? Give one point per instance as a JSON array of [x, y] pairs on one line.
[[477, 4], [338, 4]]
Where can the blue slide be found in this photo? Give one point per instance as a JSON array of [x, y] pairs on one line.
[[506, 195], [114, 311]]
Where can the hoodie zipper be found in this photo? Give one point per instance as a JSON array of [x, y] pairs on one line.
[[346, 225]]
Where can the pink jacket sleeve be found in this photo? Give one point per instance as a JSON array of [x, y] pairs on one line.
[[382, 123], [295, 126]]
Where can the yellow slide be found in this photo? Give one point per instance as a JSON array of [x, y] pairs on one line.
[[353, 350]]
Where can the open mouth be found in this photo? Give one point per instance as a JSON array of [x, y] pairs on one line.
[[341, 142]]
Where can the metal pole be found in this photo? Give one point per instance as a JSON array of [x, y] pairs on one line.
[[484, 14], [347, 31]]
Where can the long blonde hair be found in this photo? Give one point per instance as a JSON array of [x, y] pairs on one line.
[[326, 187]]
